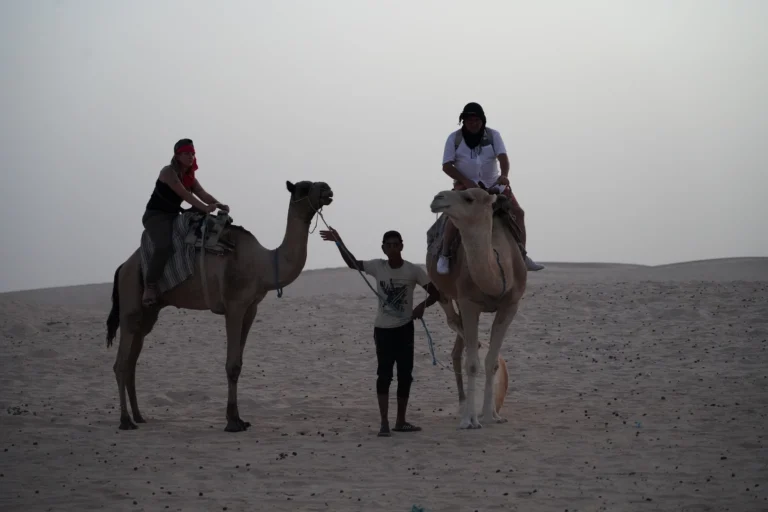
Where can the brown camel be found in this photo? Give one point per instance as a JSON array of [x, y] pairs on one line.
[[235, 285], [488, 276]]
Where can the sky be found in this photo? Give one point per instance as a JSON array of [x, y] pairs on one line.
[[636, 130]]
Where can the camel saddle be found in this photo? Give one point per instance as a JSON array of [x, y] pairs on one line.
[[214, 227]]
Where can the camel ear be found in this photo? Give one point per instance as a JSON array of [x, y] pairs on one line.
[[290, 186]]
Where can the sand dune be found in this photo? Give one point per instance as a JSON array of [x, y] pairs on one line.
[[631, 388]]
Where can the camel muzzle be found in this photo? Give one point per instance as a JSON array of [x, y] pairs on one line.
[[438, 204]]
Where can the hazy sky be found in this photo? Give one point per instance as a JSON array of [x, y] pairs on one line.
[[637, 131]]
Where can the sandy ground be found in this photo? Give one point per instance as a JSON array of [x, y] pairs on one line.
[[631, 388]]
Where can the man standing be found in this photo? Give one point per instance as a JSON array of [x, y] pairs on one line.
[[393, 330]]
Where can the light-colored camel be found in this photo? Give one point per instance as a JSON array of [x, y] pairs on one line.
[[488, 275], [236, 284]]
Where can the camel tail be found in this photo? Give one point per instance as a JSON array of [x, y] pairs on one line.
[[500, 384], [113, 321]]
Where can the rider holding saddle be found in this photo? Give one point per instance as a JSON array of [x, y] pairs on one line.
[[176, 183], [470, 158]]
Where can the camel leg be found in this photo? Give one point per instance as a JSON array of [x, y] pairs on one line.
[[250, 316], [470, 317], [501, 323], [234, 323], [452, 317], [130, 376], [120, 368], [148, 321], [458, 349], [454, 322]]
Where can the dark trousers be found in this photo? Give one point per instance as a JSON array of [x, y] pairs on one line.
[[159, 226], [394, 346]]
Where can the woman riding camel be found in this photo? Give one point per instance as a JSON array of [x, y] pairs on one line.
[[176, 183], [470, 157]]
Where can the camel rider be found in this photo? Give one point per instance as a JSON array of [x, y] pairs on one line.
[[176, 183], [470, 158]]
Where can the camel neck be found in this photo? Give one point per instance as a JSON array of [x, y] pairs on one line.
[[481, 259], [292, 252]]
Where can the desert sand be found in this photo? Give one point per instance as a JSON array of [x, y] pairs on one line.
[[632, 388]]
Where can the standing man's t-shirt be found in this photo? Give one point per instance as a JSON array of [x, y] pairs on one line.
[[396, 285]]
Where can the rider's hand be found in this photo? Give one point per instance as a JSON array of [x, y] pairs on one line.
[[503, 181], [209, 208], [330, 235], [418, 312], [222, 206]]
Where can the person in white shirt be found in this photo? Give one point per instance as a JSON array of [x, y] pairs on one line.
[[470, 158], [393, 330]]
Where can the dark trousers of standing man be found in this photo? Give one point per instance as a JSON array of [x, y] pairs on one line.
[[394, 346]]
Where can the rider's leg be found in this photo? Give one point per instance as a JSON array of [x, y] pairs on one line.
[[159, 226], [519, 213], [449, 233]]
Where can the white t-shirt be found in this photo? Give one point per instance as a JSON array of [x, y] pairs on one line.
[[479, 164], [396, 285]]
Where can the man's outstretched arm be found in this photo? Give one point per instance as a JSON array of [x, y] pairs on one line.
[[346, 254]]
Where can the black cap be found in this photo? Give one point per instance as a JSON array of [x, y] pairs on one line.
[[472, 108]]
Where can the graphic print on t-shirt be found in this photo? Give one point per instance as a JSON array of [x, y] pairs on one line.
[[396, 295]]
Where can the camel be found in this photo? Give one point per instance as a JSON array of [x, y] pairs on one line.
[[234, 285], [488, 275]]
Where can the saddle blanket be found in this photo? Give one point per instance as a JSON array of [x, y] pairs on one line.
[[181, 263]]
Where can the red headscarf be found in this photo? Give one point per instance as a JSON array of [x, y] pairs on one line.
[[188, 178]]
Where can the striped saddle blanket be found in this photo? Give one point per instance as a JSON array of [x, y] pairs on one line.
[[186, 239]]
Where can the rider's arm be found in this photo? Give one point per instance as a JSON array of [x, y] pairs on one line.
[[172, 180], [504, 164], [449, 157], [200, 192], [501, 153], [453, 172]]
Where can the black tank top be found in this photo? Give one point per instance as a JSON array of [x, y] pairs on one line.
[[164, 199]]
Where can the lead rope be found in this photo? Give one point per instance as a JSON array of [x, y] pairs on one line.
[[277, 274]]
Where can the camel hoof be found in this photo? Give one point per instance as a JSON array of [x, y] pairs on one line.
[[469, 424], [237, 425], [127, 424], [498, 419], [138, 418]]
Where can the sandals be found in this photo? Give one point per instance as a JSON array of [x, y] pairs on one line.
[[384, 431], [406, 427]]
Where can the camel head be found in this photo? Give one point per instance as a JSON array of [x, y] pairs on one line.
[[464, 207], [309, 196]]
